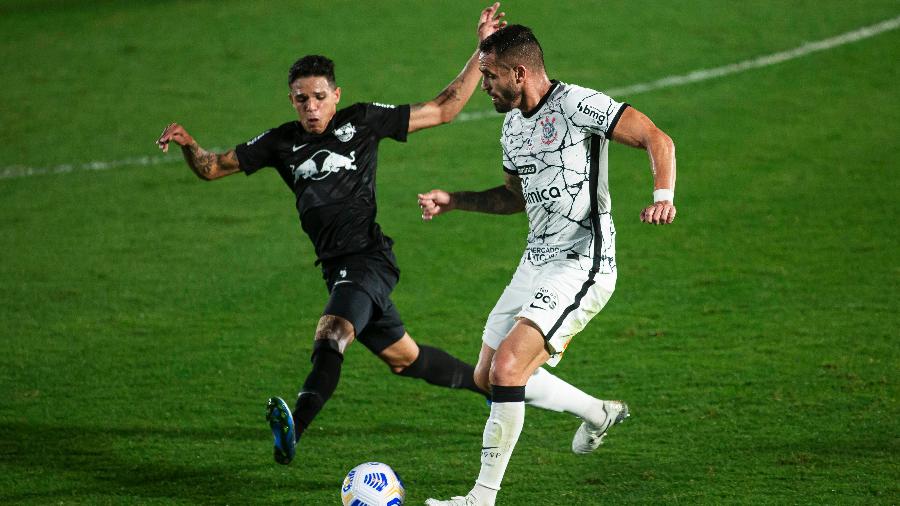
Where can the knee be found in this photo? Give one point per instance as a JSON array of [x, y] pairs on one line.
[[505, 371], [400, 363], [404, 355], [484, 383], [482, 376], [335, 329]]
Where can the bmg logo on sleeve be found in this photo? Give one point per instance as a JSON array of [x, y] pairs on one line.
[[544, 298]]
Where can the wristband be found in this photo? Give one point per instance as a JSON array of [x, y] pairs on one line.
[[663, 194]]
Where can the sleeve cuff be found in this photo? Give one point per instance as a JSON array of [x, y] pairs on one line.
[[403, 128], [615, 120], [242, 162]]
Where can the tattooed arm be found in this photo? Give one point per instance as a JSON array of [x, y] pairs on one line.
[[506, 199], [206, 165], [444, 107]]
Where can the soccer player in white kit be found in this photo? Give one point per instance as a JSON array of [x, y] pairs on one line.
[[555, 139]]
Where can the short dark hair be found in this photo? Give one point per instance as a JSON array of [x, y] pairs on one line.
[[312, 65], [515, 45]]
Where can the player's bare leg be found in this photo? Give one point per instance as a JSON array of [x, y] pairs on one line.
[[483, 367], [434, 365], [401, 354], [513, 363]]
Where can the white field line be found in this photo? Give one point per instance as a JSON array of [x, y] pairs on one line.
[[16, 171]]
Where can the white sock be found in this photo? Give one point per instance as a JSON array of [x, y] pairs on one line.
[[547, 391], [500, 435]]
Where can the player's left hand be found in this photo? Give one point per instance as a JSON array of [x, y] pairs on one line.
[[173, 133], [434, 203], [490, 21], [660, 213]]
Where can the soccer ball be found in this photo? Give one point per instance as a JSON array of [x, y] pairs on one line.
[[372, 484]]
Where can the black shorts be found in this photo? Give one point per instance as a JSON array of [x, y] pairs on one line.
[[360, 286]]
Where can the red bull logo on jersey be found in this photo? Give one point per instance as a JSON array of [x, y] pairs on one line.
[[322, 164]]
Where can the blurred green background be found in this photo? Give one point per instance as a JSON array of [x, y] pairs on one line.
[[146, 316]]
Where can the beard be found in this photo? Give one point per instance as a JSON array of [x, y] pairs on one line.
[[502, 107], [503, 102]]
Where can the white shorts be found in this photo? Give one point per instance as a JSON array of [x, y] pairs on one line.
[[557, 296]]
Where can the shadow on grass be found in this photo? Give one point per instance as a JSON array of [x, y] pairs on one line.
[[49, 461]]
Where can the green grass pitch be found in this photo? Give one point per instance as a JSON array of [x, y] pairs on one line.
[[146, 316]]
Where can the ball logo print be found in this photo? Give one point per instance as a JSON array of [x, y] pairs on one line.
[[348, 481], [372, 484], [377, 481]]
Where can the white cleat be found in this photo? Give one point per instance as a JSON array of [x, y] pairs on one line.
[[589, 436], [469, 500]]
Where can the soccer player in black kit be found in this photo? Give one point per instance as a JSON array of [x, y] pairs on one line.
[[328, 159]]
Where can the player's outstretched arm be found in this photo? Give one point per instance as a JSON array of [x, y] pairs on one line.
[[506, 199], [636, 130], [206, 165], [444, 107]]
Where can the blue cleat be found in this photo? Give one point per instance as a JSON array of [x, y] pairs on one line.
[[282, 423]]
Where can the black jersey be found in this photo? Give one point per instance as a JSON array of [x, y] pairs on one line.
[[332, 174]]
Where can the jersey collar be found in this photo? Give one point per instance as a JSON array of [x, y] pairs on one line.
[[553, 84]]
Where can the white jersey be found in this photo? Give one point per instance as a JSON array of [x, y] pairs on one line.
[[560, 154]]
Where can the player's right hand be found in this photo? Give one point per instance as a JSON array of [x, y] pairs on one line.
[[434, 203], [659, 213], [490, 21], [174, 133]]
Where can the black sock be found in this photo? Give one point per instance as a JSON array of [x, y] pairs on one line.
[[438, 367], [320, 383], [507, 394]]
